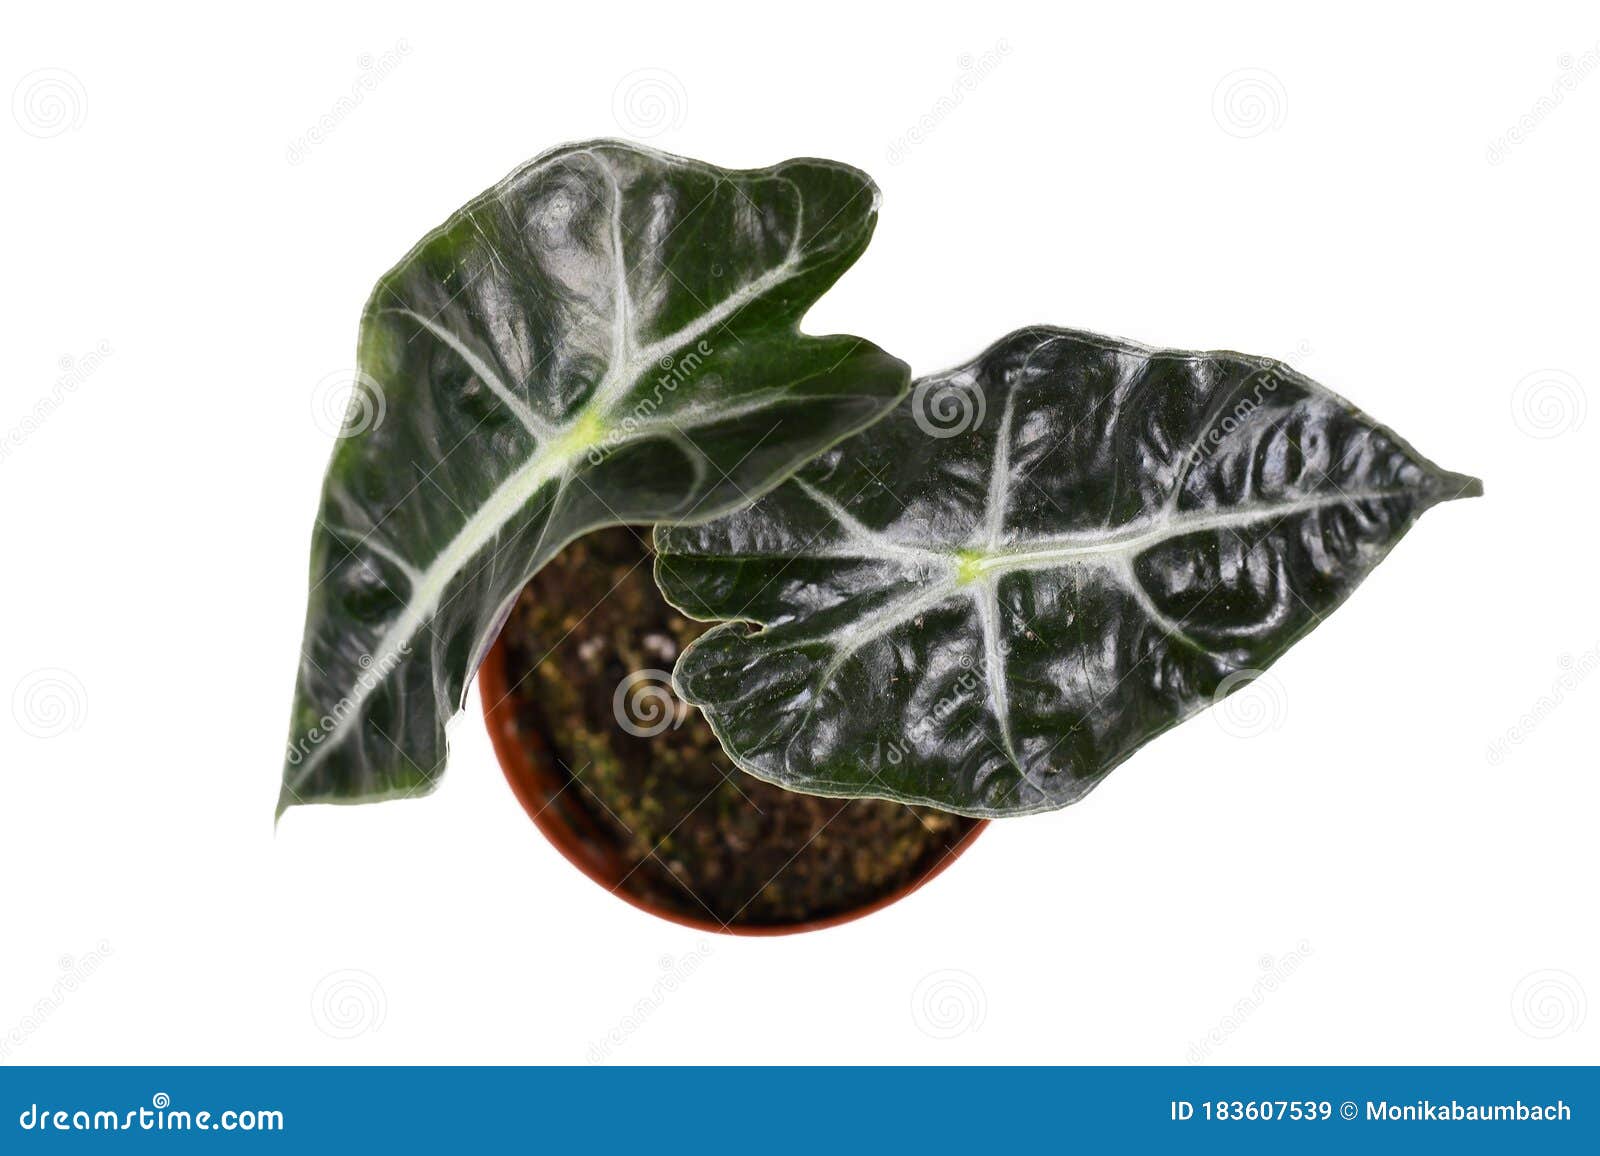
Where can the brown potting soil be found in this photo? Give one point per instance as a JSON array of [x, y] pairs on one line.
[[695, 835]]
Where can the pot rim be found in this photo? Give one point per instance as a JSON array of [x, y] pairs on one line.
[[515, 750]]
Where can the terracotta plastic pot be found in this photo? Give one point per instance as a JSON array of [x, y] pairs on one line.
[[541, 786]]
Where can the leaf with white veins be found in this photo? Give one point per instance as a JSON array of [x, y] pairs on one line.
[[1037, 563], [608, 335]]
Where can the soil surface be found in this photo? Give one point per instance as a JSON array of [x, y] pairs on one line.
[[657, 801]]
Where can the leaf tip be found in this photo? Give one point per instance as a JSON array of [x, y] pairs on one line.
[[1452, 486], [286, 800]]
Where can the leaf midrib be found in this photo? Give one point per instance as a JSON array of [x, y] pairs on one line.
[[557, 448], [965, 564]]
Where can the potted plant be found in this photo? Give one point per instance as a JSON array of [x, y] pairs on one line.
[[631, 785], [761, 593]]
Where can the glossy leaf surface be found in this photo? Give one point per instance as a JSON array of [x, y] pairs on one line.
[[1037, 563], [608, 335]]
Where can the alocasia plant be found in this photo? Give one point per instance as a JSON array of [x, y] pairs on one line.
[[1037, 563], [608, 335]]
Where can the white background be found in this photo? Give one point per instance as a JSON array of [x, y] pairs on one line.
[[1322, 188]]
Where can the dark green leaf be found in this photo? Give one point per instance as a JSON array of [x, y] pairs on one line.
[[608, 335], [1037, 563]]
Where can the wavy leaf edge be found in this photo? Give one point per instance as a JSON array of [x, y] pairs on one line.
[[561, 448], [967, 571]]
